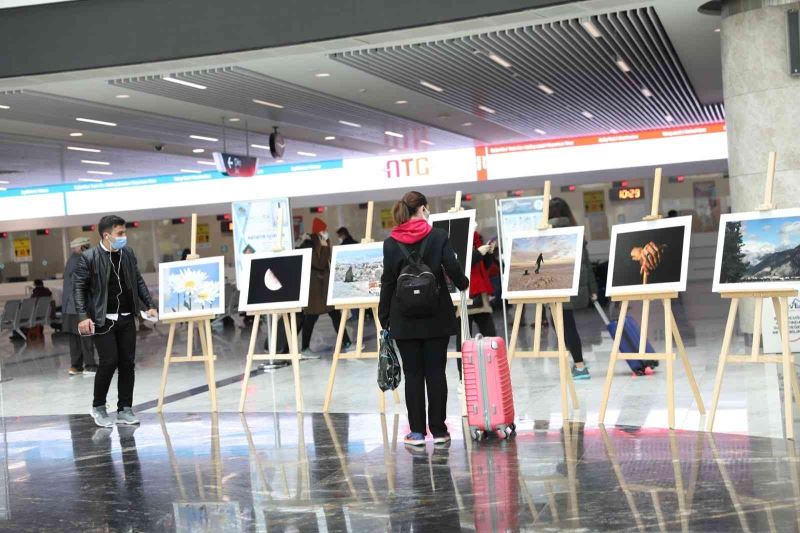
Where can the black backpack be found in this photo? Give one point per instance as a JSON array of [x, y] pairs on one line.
[[417, 290]]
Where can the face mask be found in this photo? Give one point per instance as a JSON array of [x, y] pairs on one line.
[[426, 213], [118, 243], [324, 235]]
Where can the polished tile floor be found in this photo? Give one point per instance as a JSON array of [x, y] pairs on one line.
[[349, 471]]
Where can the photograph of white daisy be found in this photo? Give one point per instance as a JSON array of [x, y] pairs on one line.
[[191, 288]]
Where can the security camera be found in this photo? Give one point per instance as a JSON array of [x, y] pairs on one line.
[[159, 147]]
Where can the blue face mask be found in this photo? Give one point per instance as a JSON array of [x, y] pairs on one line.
[[119, 243]]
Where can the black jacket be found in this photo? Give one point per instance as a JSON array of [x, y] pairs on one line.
[[90, 282], [440, 257]]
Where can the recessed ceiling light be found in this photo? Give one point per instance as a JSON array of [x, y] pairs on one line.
[[545, 89], [401, 102], [429, 143], [209, 163], [198, 150], [393, 134], [183, 82], [90, 180], [279, 161], [591, 29], [307, 154], [646, 92], [612, 131], [587, 114], [487, 109], [261, 146], [191, 171], [623, 65], [93, 121], [351, 124], [330, 138], [234, 119], [322, 75], [92, 162], [76, 134], [4, 107], [467, 124], [100, 172], [669, 118], [431, 86], [4, 182], [121, 96], [499, 60], [716, 30], [268, 104], [82, 149], [392, 150], [203, 138], [540, 132]]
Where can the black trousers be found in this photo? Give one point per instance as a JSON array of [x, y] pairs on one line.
[[424, 362], [571, 337], [81, 351], [486, 327], [308, 327], [116, 351]]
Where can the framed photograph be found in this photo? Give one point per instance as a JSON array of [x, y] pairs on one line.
[[515, 216], [191, 288], [356, 271], [544, 263], [460, 225], [758, 251], [255, 230], [649, 257], [275, 281]]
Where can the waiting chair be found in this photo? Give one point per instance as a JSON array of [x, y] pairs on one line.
[[41, 313], [10, 311], [25, 316]]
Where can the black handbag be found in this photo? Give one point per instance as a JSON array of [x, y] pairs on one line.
[[389, 371]]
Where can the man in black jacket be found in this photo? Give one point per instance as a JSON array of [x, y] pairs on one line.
[[107, 289], [81, 349]]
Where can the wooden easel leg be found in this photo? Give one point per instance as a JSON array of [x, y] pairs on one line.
[[686, 365], [723, 359], [251, 350], [788, 368], [290, 327], [212, 375], [726, 479], [564, 381], [537, 327], [336, 351], [612, 361], [670, 361], [612, 457], [165, 371], [512, 343], [676, 467]]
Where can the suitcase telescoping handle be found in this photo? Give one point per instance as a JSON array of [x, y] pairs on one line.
[[464, 318], [601, 312]]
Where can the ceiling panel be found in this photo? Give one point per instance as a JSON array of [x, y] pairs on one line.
[[591, 93]]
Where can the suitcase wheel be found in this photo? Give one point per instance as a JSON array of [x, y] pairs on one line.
[[476, 434]]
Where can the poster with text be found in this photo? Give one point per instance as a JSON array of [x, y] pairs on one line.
[[769, 325], [518, 215], [22, 250], [255, 229]]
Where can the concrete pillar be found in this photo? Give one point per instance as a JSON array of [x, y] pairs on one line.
[[762, 106]]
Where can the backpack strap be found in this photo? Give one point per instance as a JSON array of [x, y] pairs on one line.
[[420, 253]]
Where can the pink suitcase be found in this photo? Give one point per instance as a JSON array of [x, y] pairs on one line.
[[495, 488], [487, 384]]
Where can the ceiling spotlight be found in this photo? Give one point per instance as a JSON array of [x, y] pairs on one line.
[[545, 89], [82, 149], [307, 154], [467, 124], [76, 134], [646, 92], [184, 82], [330, 138], [499, 60], [425, 141], [401, 102], [268, 104], [92, 162], [234, 119], [393, 134], [322, 75], [207, 163], [203, 138], [100, 172], [351, 124], [590, 28], [198, 150], [431, 86], [261, 146], [93, 121], [540, 132], [121, 96], [487, 109], [587, 114], [622, 64], [4, 107]]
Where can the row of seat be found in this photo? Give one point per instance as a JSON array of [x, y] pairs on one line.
[[28, 313]]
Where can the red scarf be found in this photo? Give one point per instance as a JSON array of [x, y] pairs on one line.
[[479, 281], [411, 231]]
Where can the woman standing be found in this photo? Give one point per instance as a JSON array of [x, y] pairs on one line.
[[560, 217], [421, 340]]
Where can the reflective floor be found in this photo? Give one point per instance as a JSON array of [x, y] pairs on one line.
[[351, 472]]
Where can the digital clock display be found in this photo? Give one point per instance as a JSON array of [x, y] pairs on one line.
[[627, 193]]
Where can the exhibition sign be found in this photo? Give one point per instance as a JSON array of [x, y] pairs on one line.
[[255, 230], [517, 215], [770, 333]]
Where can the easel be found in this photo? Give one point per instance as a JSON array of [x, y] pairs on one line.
[[359, 340], [670, 332], [203, 324], [289, 317], [557, 310], [457, 354], [780, 302]]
